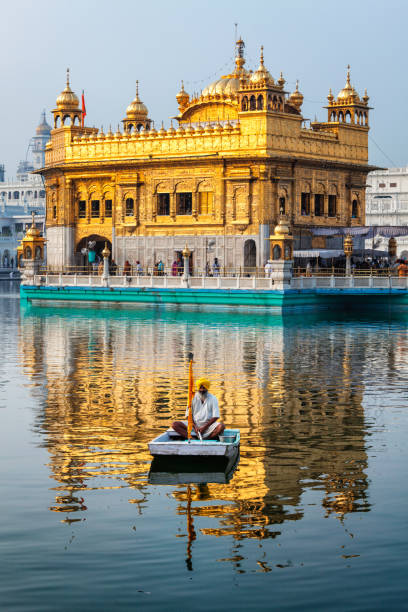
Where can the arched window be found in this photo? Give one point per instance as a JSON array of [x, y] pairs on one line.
[[275, 103], [76, 120], [42, 193], [38, 252], [269, 102], [244, 103], [259, 103], [333, 116], [354, 209], [54, 212], [341, 116], [139, 127], [57, 121], [35, 194], [365, 119], [282, 203], [28, 253], [66, 120], [348, 117], [277, 252], [130, 207], [252, 103], [16, 195]]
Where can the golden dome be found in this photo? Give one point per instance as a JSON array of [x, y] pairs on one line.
[[182, 96], [67, 99], [136, 109], [261, 75], [229, 84], [296, 99], [348, 90]]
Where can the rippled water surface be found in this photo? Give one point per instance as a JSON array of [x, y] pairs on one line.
[[313, 517]]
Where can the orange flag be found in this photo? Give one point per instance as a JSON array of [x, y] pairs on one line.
[[190, 399]]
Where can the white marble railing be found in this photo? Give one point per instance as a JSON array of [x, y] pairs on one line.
[[350, 282], [222, 282]]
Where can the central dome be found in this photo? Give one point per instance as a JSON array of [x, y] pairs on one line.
[[229, 84]]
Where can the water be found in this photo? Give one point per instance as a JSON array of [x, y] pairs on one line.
[[314, 516]]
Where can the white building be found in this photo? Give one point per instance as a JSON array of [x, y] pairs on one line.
[[387, 204], [19, 197]]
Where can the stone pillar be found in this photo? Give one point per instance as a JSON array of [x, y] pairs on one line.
[[30, 269], [281, 273], [105, 275], [186, 274], [348, 250]]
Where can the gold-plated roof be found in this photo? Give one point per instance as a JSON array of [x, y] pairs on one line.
[[67, 99], [137, 109]]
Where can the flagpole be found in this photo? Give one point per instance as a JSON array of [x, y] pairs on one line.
[[190, 421]]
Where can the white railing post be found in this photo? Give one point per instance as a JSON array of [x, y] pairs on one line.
[[332, 281], [60, 280], [370, 282]]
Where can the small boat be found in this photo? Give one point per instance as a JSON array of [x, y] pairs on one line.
[[171, 445]]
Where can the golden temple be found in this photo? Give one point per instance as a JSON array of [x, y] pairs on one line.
[[240, 155]]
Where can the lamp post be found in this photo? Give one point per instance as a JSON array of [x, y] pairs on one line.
[[348, 250], [392, 250], [105, 255]]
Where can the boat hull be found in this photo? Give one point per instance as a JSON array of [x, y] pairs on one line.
[[164, 445]]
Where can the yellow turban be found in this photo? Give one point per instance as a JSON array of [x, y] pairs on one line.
[[203, 382]]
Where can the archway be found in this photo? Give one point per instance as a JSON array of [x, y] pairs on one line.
[[250, 254], [95, 244]]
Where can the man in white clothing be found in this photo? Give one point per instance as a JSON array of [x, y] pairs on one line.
[[206, 414], [268, 268]]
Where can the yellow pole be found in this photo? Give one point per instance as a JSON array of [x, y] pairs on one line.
[[190, 397]]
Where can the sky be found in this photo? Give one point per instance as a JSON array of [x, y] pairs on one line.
[[108, 45]]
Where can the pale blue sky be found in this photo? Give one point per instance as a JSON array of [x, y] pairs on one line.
[[108, 45]]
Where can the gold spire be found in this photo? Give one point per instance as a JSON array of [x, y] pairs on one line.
[[136, 109], [182, 97], [261, 75], [296, 99]]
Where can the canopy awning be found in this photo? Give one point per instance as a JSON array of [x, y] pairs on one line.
[[324, 253], [387, 231]]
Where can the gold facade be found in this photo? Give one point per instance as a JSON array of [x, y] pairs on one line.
[[241, 154]]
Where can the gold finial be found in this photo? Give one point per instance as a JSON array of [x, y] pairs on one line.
[[186, 251], [348, 74], [137, 89], [262, 57], [67, 77], [106, 251], [297, 85], [33, 217]]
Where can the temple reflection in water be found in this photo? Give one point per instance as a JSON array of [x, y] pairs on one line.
[[109, 380]]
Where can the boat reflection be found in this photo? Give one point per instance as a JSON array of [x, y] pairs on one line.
[[170, 471]]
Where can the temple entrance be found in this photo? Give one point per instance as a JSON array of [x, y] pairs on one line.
[[250, 254], [89, 250]]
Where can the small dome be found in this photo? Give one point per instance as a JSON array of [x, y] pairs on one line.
[[348, 90], [137, 109], [296, 99], [182, 96], [261, 75], [43, 129], [67, 99]]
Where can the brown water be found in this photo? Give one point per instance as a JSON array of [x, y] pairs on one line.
[[313, 516]]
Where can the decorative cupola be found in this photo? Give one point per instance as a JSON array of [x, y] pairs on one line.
[[296, 98], [259, 92], [348, 107], [136, 115], [30, 253], [182, 98], [67, 111]]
